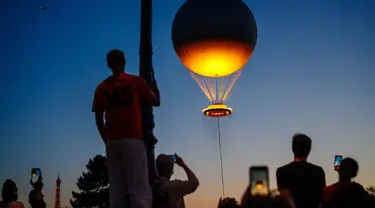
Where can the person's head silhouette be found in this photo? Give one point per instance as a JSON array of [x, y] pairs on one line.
[[301, 147], [228, 203], [9, 192], [116, 61], [348, 169], [165, 165]]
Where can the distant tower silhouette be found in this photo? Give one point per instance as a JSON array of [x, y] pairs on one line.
[[57, 196]]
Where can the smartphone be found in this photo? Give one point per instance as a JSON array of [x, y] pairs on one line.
[[174, 157], [337, 161], [35, 175], [259, 180]]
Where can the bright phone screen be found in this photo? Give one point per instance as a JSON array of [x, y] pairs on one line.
[[174, 157], [259, 181], [338, 159], [35, 175]]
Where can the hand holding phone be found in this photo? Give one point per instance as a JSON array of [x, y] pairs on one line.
[[178, 160], [259, 180], [174, 157], [337, 161], [36, 175]]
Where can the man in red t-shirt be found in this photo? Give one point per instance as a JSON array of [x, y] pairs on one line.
[[118, 100]]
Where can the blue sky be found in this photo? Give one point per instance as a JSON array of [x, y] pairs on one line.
[[312, 72]]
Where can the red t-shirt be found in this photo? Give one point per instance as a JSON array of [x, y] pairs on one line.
[[120, 98], [328, 192]]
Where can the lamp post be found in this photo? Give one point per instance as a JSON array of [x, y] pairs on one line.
[[146, 71]]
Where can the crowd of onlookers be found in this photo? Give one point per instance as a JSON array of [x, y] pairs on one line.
[[303, 185], [300, 185]]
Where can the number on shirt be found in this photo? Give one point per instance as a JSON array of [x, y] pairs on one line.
[[127, 93], [120, 97]]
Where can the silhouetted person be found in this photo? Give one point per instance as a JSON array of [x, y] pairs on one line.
[[36, 197], [10, 195], [119, 98], [346, 193], [175, 189], [228, 203], [304, 180]]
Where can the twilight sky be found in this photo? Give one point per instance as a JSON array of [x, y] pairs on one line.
[[312, 72]]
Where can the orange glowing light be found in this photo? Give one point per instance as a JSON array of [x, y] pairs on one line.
[[259, 186], [260, 189], [217, 110], [215, 58]]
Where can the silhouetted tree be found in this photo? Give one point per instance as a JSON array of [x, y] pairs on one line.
[[371, 191], [93, 186]]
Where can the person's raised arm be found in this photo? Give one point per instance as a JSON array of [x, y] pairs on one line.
[[147, 94], [183, 188], [99, 106]]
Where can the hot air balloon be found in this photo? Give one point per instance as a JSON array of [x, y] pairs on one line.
[[214, 39]]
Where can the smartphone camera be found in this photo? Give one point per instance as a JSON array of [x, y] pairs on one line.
[[35, 175], [337, 161], [259, 180]]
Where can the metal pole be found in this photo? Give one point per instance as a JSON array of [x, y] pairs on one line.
[[147, 72]]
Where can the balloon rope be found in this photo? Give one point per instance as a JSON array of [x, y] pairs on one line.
[[221, 157]]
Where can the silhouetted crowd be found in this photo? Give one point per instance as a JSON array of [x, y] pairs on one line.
[[303, 185], [300, 185]]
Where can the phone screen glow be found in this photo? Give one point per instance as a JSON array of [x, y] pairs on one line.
[[259, 182], [338, 159], [35, 175]]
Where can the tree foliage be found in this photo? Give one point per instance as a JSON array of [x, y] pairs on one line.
[[93, 186], [371, 191]]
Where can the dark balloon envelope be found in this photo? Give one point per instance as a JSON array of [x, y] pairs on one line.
[[214, 38]]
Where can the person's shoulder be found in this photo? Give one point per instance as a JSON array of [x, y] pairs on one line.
[[20, 204], [32, 192], [132, 76], [135, 79], [357, 186], [315, 168], [285, 167], [105, 83], [175, 181], [331, 187], [170, 185]]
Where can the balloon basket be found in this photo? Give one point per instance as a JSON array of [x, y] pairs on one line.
[[217, 110]]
